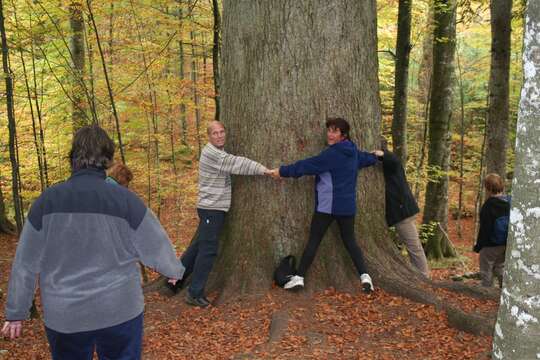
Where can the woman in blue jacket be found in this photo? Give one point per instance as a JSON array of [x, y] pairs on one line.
[[336, 169]]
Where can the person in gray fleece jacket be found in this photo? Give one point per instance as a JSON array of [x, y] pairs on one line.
[[82, 241]]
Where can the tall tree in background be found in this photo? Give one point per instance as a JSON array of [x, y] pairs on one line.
[[497, 126], [107, 81], [215, 56], [277, 89], [518, 325], [440, 113], [425, 73], [403, 49], [11, 123], [77, 49]]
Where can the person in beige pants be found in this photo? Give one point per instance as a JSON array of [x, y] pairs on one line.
[[401, 207]]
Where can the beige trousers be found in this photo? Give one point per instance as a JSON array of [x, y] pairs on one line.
[[407, 232]]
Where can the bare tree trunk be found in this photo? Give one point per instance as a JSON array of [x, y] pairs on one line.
[[109, 86], [11, 124], [215, 56], [196, 104], [76, 22], [422, 150], [481, 173], [182, 76], [91, 79], [38, 112], [497, 130], [518, 325], [425, 74], [461, 146], [111, 50], [403, 49], [435, 220]]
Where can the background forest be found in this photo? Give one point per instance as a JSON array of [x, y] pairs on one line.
[[147, 72], [144, 71]]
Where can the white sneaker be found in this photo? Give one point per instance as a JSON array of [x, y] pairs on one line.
[[295, 282], [367, 285]]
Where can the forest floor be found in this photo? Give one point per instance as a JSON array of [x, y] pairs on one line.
[[281, 325]]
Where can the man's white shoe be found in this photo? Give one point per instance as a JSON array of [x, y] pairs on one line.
[[295, 282], [367, 285]]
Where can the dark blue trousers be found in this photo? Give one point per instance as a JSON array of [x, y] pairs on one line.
[[119, 342], [200, 255]]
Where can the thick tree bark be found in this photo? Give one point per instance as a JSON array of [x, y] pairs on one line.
[[403, 49], [518, 326], [277, 90], [76, 22], [497, 127], [440, 113]]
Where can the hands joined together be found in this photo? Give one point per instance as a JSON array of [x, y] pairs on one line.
[[274, 173]]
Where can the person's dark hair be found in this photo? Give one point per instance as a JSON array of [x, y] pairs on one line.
[[91, 147], [494, 183], [339, 123]]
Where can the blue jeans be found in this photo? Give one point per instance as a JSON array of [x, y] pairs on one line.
[[200, 256], [119, 342]]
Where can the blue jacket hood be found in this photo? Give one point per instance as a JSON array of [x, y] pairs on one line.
[[346, 147]]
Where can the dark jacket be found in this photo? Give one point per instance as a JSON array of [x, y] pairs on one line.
[[493, 208], [400, 202], [83, 239], [336, 169]]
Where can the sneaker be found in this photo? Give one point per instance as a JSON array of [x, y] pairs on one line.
[[200, 301], [367, 285], [295, 282]]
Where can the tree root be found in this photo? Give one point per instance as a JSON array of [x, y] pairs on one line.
[[476, 291], [474, 323]]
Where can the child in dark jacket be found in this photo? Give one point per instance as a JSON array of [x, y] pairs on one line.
[[336, 170], [491, 240]]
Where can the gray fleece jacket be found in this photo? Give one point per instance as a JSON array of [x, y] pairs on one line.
[[82, 241]]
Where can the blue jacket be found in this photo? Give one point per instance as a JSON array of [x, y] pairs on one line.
[[336, 169]]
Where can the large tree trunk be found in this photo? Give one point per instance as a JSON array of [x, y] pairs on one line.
[[440, 113], [518, 326], [277, 90], [76, 21], [403, 49], [497, 126]]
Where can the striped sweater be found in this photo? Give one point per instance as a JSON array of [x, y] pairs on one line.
[[215, 169]]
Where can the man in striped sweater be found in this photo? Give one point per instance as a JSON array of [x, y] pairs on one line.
[[215, 169]]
